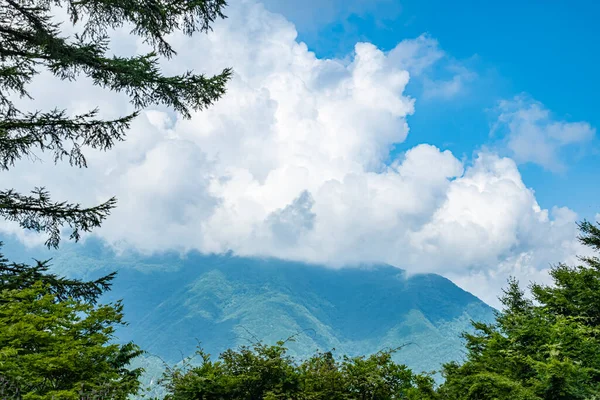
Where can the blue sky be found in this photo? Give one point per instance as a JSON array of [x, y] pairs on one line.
[[547, 49]]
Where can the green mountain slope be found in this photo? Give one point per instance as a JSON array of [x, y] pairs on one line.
[[229, 301], [224, 301]]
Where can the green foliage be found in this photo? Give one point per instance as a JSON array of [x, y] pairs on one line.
[[544, 347], [31, 42], [267, 372], [577, 289], [485, 385], [56, 343]]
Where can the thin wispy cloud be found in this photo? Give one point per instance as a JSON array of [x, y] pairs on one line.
[[531, 134]]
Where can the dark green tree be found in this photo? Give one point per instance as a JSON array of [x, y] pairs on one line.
[[56, 342], [31, 42], [576, 290], [546, 346]]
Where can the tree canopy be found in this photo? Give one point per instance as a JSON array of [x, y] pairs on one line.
[[55, 342], [266, 372]]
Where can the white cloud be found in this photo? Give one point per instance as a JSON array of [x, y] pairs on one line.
[[292, 163], [417, 55], [439, 75], [531, 134], [448, 88]]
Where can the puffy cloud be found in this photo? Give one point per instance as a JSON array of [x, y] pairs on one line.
[[531, 134], [293, 163], [529, 260]]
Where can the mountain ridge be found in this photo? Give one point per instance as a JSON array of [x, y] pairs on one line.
[[356, 311], [226, 301]]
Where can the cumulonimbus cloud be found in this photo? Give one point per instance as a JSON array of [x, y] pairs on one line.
[[294, 163]]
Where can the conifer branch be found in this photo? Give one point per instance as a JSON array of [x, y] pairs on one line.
[[38, 213]]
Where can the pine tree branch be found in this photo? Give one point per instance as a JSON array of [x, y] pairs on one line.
[[50, 131], [152, 19], [40, 214], [20, 276], [590, 234], [139, 77], [13, 78]]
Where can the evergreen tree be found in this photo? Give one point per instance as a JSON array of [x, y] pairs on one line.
[[31, 42], [55, 342], [546, 347], [576, 290]]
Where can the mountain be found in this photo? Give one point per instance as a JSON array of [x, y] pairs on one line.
[[223, 301]]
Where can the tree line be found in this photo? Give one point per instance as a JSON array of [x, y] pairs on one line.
[[58, 342]]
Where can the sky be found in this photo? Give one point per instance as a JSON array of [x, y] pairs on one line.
[[458, 138]]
